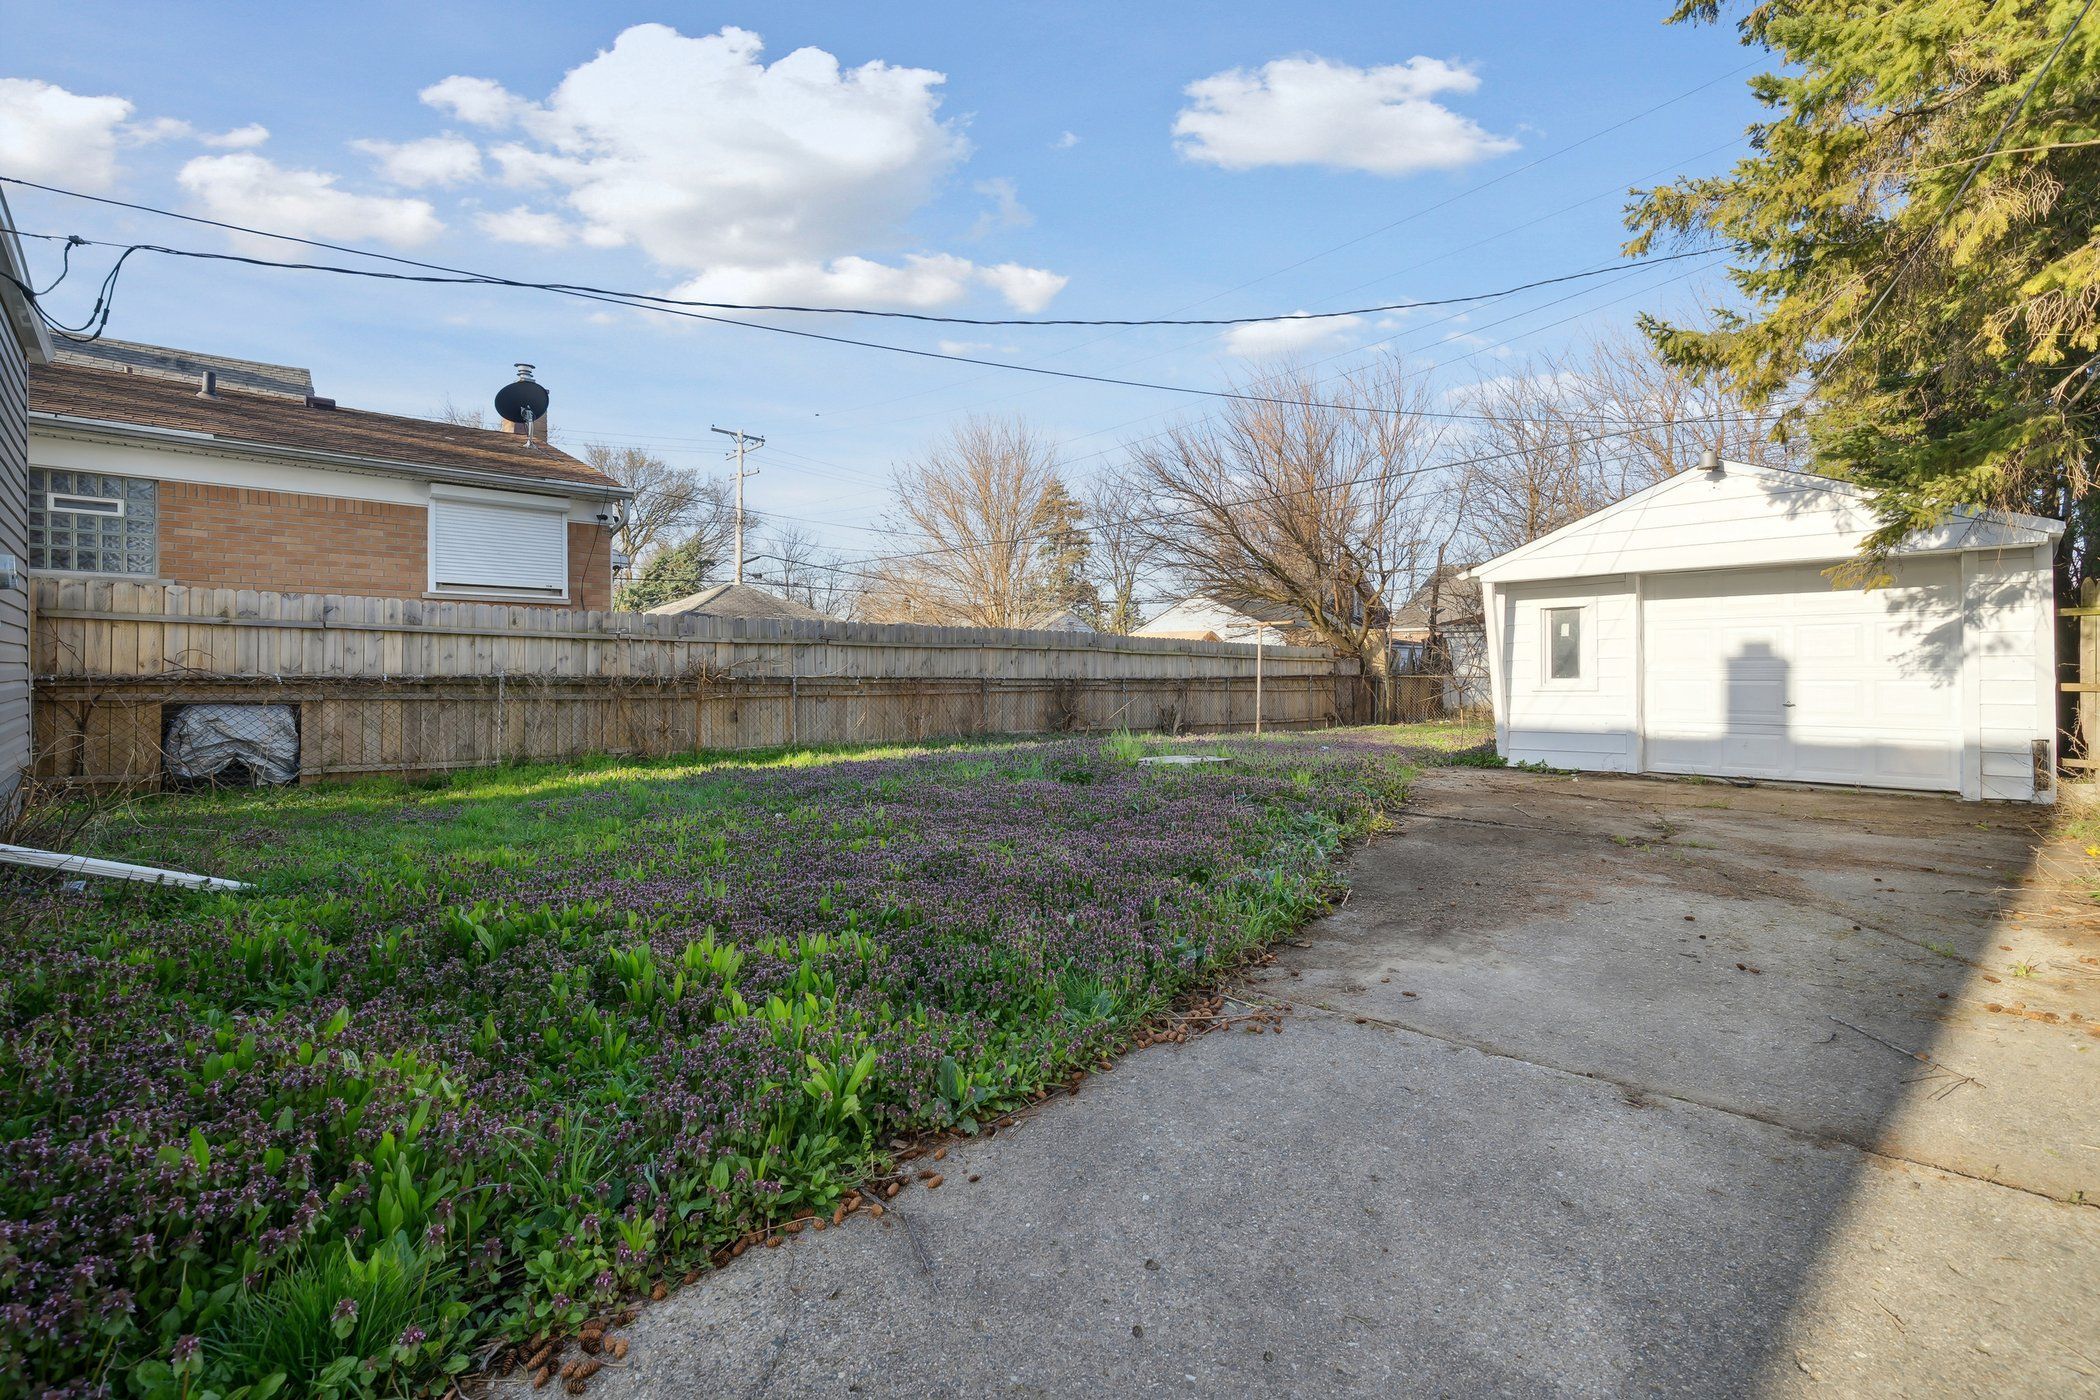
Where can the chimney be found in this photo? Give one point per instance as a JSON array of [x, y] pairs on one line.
[[208, 384], [537, 427]]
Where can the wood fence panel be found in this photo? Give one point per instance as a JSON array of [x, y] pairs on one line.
[[411, 685]]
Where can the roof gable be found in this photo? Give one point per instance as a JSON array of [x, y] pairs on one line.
[[1743, 516]]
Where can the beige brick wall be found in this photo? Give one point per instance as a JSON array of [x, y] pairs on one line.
[[590, 566], [239, 537]]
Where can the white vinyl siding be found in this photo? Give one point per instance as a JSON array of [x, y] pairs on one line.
[[14, 540], [487, 544], [1585, 721], [1716, 638], [2012, 649]]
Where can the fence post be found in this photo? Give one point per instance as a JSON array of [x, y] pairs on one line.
[[2088, 758]]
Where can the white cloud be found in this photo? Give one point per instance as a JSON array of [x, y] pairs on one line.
[[963, 347], [766, 182], [924, 282], [240, 138], [434, 160], [527, 226], [1007, 211], [1027, 289], [1294, 333], [50, 134], [476, 101], [1065, 141], [251, 189], [1313, 111]]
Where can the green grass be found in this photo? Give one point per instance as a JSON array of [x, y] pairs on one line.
[[486, 1052], [475, 816], [285, 838]]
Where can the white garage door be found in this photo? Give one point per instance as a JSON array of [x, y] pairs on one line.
[[1772, 673]]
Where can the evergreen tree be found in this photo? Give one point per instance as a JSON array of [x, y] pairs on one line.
[[1914, 239], [669, 574], [1064, 556]]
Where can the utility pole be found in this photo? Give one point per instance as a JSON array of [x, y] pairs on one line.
[[743, 439]]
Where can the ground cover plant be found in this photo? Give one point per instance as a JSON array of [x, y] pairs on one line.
[[479, 1056]]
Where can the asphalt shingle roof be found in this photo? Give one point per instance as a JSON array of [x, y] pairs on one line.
[[273, 420], [742, 600]]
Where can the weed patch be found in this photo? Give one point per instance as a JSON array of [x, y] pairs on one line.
[[482, 1056]]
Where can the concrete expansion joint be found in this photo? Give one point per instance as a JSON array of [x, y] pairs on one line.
[[1807, 1135]]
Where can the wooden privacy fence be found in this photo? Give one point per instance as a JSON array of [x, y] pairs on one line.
[[404, 685]]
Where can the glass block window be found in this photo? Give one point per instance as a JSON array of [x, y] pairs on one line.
[[89, 523]]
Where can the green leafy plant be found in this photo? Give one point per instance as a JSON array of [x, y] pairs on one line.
[[332, 1324]]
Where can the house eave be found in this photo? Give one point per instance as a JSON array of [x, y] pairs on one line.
[[23, 322]]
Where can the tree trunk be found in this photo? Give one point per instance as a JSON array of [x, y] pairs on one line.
[[1376, 655]]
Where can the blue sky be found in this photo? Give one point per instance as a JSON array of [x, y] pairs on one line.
[[1067, 159]]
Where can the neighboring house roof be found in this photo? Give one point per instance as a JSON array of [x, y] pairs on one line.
[[1260, 609], [166, 362], [742, 600], [1741, 515], [1457, 599], [90, 398], [1173, 621], [1057, 620]]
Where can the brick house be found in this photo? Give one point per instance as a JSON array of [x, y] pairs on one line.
[[173, 467]]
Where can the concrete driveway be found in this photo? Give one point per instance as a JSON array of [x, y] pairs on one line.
[[1578, 1093]]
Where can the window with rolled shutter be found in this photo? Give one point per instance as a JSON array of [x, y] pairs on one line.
[[479, 543]]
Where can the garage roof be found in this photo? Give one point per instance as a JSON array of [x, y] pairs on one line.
[[1742, 516]]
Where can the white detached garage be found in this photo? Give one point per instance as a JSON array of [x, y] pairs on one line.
[[1691, 628]]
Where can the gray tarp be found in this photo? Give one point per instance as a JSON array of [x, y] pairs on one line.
[[205, 740]]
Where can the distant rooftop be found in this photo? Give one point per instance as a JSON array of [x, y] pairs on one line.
[[742, 600], [166, 362]]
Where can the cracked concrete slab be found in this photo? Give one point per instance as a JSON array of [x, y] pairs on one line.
[[1588, 1155]]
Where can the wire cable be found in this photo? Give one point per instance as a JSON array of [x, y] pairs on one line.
[[439, 273], [619, 299]]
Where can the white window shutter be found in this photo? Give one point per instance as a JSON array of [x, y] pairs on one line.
[[485, 544]]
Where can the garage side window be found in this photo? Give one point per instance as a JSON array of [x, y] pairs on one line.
[[88, 523], [1564, 644]]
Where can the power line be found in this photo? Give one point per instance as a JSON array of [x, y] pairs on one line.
[[102, 310], [1263, 497], [1410, 217], [616, 299], [1616, 189], [440, 274]]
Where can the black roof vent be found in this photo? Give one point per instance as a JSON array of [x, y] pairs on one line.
[[316, 401]]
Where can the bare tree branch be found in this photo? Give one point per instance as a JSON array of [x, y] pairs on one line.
[[1321, 509], [978, 508]]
